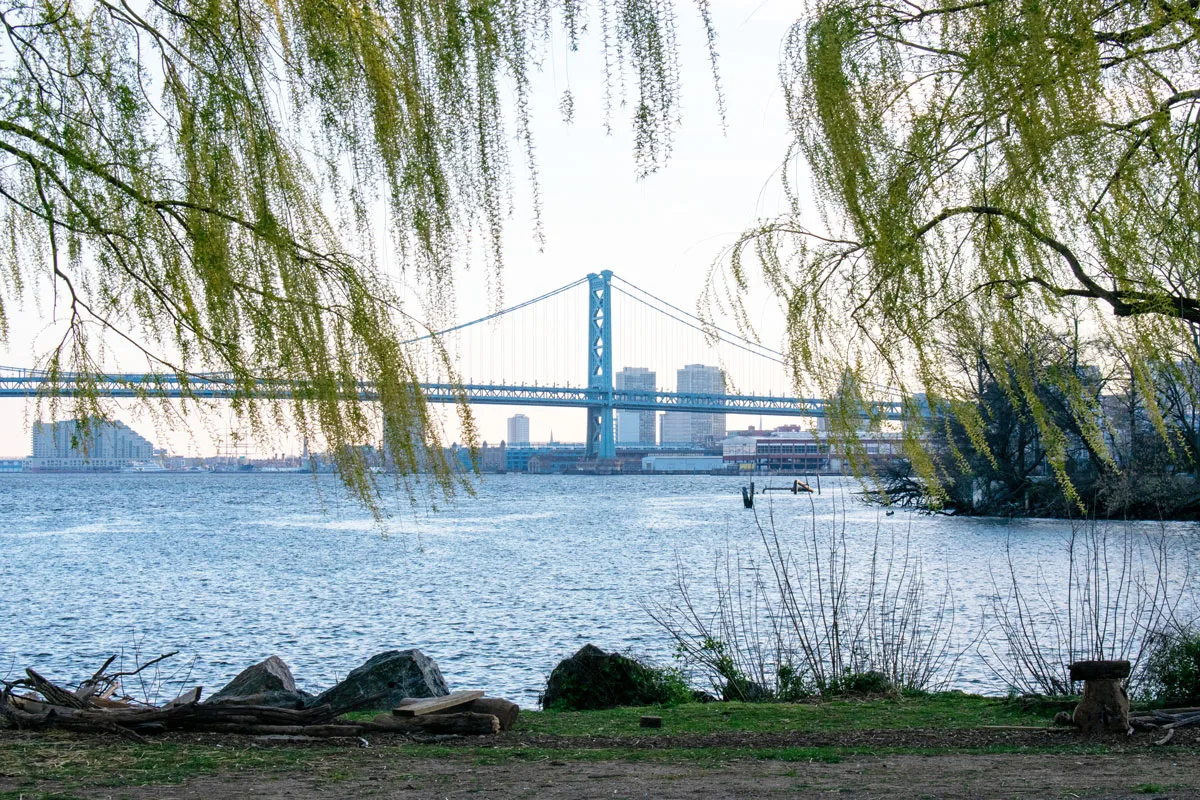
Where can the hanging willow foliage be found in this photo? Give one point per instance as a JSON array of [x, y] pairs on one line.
[[197, 177], [989, 176]]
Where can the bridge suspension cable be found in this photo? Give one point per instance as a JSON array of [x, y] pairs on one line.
[[498, 314], [697, 323]]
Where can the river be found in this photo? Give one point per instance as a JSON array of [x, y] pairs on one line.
[[228, 569]]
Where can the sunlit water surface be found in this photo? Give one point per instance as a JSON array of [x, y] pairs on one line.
[[229, 569]]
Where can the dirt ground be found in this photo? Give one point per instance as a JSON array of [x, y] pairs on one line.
[[1109, 776], [1133, 768]]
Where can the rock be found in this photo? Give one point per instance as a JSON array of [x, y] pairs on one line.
[[271, 675], [593, 679], [385, 680]]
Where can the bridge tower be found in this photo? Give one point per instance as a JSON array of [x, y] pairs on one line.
[[601, 436]]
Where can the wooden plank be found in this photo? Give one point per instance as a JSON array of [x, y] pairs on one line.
[[412, 707]]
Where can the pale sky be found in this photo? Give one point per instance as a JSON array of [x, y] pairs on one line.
[[662, 233]]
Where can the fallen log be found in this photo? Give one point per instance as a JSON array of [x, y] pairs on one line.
[[504, 710], [1160, 720], [27, 713], [466, 723], [71, 722], [258, 699], [1183, 722]]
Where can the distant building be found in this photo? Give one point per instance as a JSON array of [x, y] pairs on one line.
[[492, 459], [790, 449], [683, 463], [99, 446], [685, 427], [518, 430], [636, 427], [488, 458]]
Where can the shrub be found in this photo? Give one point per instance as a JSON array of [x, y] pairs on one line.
[[869, 682], [1172, 675], [593, 679], [790, 625], [1117, 589]]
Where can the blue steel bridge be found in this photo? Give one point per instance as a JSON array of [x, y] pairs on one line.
[[599, 397]]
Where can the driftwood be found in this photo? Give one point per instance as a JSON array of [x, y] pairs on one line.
[[1164, 719], [190, 696], [504, 710], [42, 704], [248, 700]]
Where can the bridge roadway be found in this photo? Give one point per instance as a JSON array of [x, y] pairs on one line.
[[25, 383]]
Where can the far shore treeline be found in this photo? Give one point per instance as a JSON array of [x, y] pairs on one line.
[[1145, 464]]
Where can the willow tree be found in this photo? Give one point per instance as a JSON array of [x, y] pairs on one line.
[[987, 172], [198, 178]]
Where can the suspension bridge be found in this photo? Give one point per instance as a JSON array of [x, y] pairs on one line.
[[535, 380]]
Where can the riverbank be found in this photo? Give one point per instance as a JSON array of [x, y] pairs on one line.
[[941, 745]]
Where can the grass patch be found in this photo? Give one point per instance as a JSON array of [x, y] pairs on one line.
[[70, 760], [947, 710]]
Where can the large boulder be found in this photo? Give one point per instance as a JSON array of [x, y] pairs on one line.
[[268, 683], [385, 680], [593, 679]]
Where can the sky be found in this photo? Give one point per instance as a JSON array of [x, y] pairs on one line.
[[662, 232]]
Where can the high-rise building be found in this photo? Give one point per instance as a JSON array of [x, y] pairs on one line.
[[636, 427], [685, 427], [98, 446], [518, 429]]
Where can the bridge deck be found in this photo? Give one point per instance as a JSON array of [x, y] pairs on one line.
[[21, 383]]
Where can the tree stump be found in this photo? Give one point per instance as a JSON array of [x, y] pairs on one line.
[[1104, 707]]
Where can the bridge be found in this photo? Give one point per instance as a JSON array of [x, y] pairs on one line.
[[599, 396]]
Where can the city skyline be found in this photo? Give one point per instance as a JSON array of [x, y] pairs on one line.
[[671, 224]]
